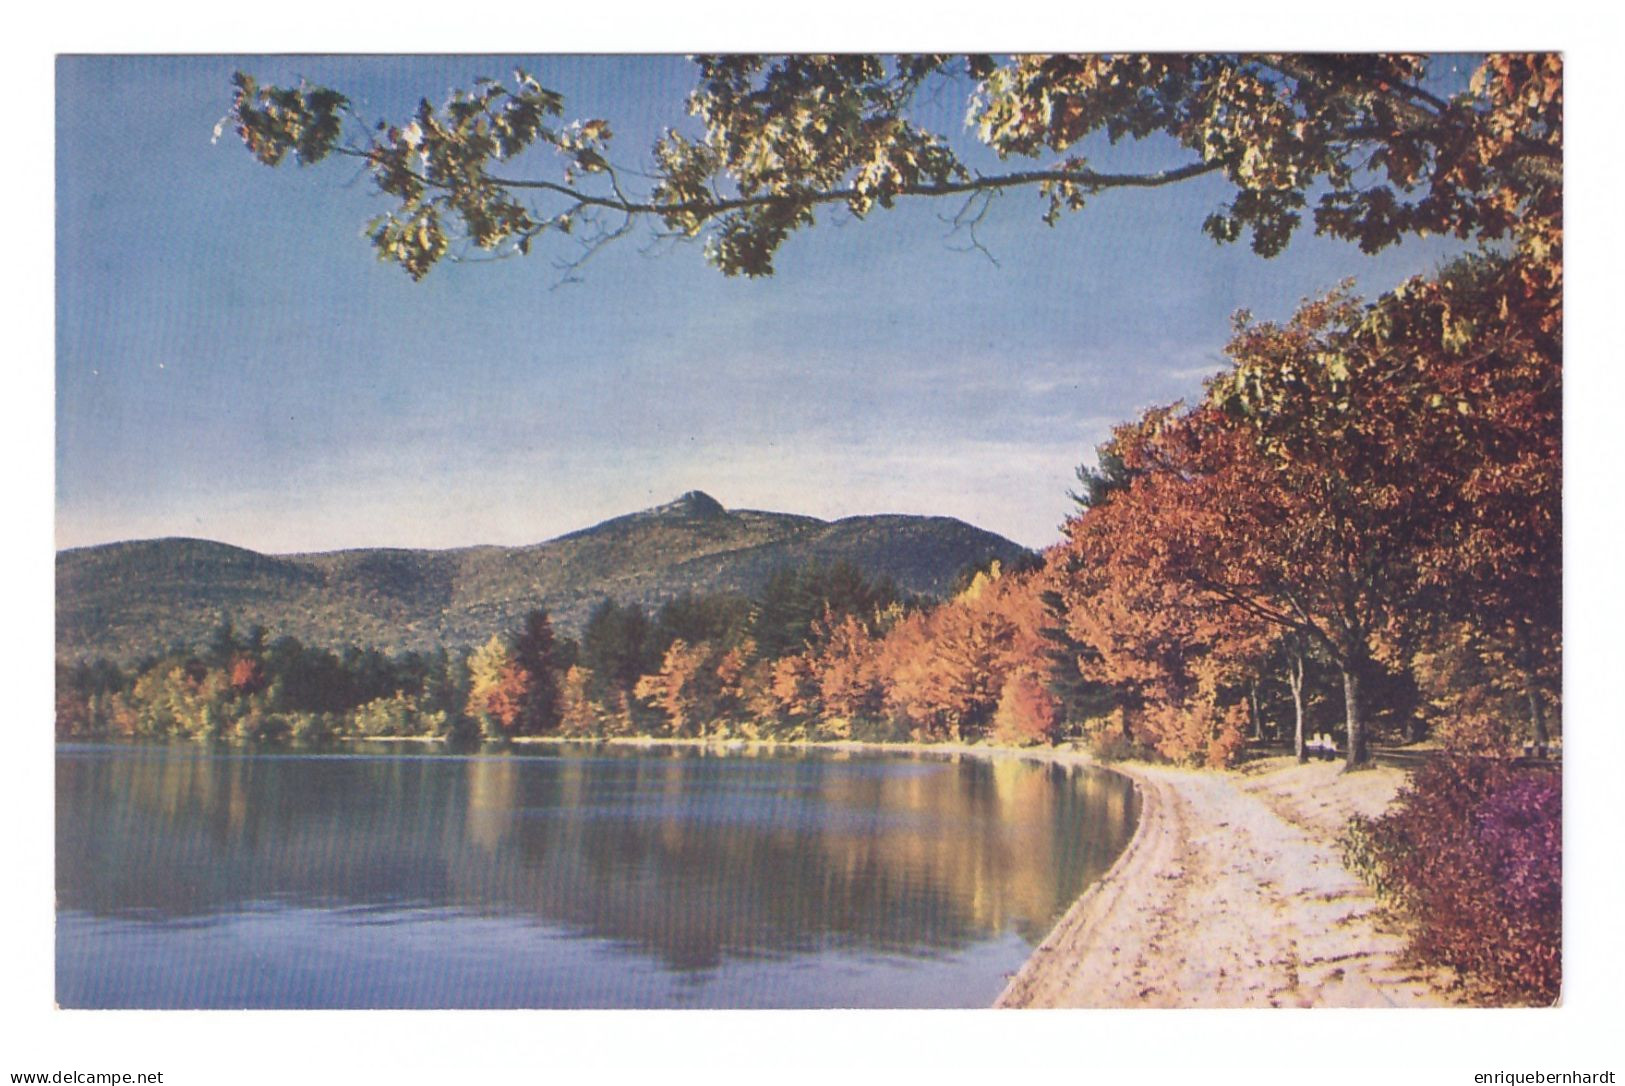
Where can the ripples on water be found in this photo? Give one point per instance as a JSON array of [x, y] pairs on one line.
[[191, 877]]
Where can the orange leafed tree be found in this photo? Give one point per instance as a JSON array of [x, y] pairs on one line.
[[1175, 652], [847, 668], [1027, 712], [703, 684], [945, 670], [681, 689]]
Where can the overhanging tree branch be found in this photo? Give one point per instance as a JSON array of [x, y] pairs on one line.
[[1357, 141], [1091, 180]]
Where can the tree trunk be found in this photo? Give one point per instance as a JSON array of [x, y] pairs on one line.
[[1294, 678], [1418, 728], [1526, 663], [1252, 710], [1537, 717], [1359, 753]]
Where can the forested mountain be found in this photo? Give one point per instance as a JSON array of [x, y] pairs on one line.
[[124, 600]]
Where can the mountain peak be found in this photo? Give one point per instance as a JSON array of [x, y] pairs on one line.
[[125, 601], [694, 503]]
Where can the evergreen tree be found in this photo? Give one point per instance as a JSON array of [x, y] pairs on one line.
[[536, 656]]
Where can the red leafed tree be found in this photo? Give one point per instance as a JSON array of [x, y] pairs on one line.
[[499, 688], [1484, 388], [1314, 525], [1356, 474], [507, 699], [1027, 712], [514, 683], [1173, 650], [1410, 462], [247, 675]]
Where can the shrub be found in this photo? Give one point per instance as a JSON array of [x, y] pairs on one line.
[[1471, 854], [833, 729], [1196, 733], [1227, 738], [396, 714], [879, 730], [258, 726], [313, 729], [1112, 738]]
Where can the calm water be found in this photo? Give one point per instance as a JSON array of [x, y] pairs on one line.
[[193, 877]]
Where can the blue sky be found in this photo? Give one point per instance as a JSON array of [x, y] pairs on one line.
[[233, 363]]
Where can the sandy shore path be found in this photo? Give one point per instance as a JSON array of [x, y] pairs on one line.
[[1231, 894]]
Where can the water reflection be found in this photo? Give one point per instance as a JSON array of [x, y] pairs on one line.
[[661, 865]]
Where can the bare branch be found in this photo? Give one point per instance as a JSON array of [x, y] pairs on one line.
[[591, 247], [966, 220]]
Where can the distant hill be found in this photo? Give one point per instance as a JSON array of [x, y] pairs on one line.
[[125, 600]]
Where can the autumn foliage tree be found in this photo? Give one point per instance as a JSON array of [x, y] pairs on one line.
[[1442, 432], [695, 686], [1028, 713], [846, 664], [1485, 371], [1321, 520], [494, 693], [247, 675], [945, 669], [514, 683], [1170, 650], [790, 697], [1358, 473]]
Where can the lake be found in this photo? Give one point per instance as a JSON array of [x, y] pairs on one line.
[[195, 876]]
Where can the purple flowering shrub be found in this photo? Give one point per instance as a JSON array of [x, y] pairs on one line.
[[1471, 853]]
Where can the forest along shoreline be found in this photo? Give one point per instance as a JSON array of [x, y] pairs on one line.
[[1231, 893]]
